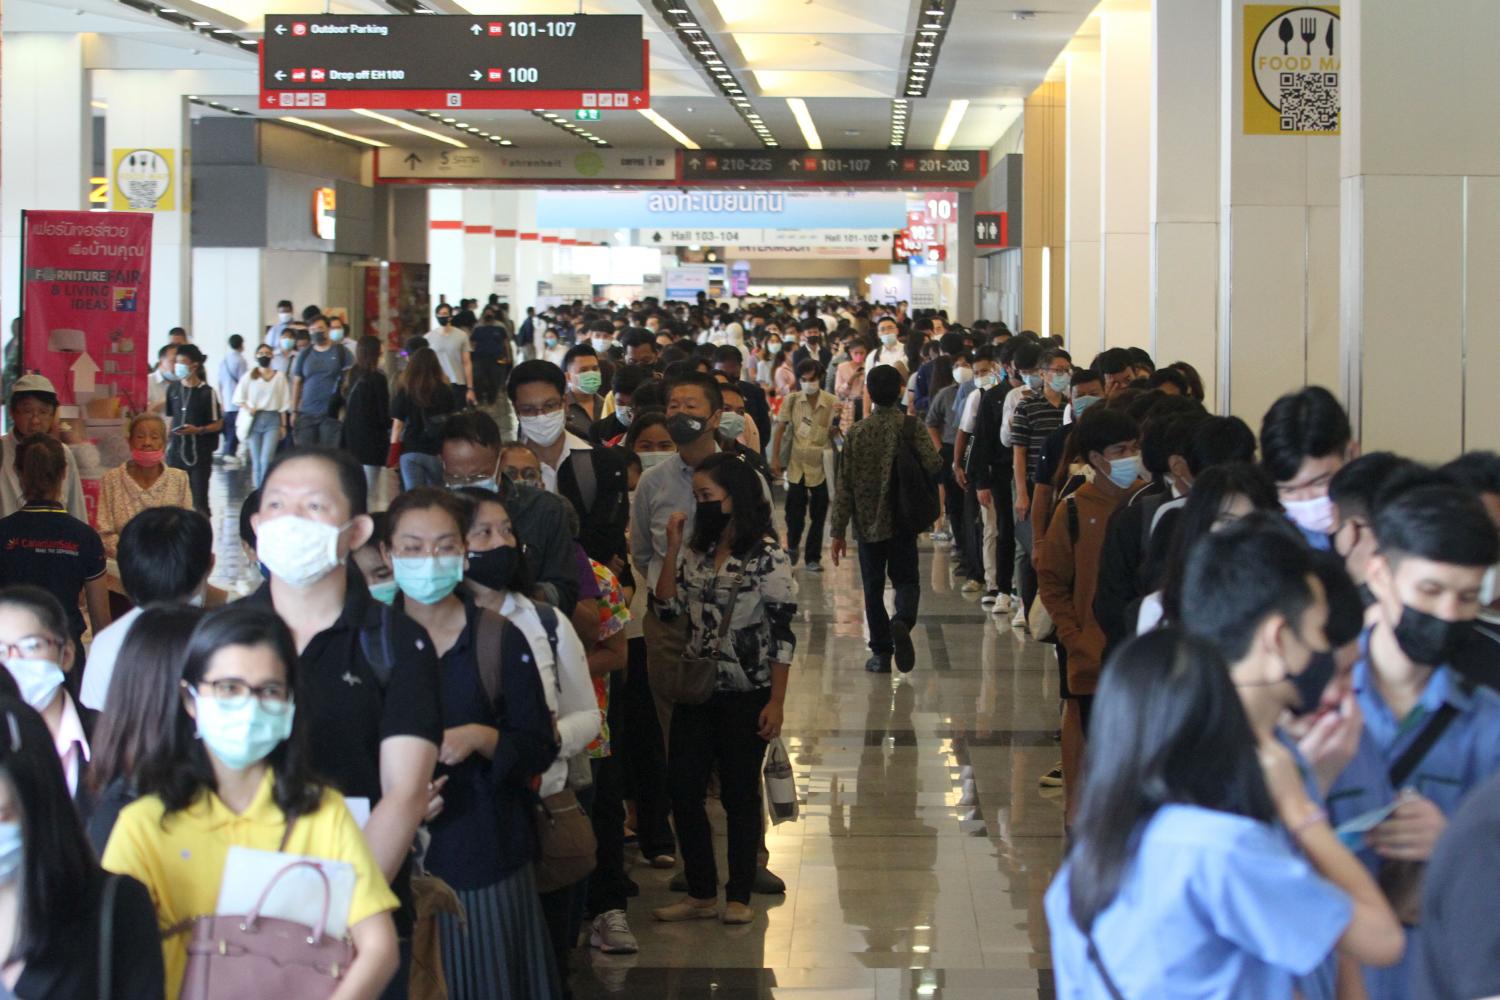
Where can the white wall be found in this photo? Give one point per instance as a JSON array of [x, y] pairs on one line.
[[226, 300]]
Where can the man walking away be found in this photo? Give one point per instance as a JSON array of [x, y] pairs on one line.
[[867, 493]]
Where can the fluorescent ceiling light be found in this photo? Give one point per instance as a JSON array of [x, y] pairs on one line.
[[339, 133], [805, 122], [419, 130], [949, 127], [676, 133]]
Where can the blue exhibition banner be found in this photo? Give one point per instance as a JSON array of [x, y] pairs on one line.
[[721, 209]]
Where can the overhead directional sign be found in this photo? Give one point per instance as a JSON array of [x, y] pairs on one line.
[[962, 168], [438, 61], [489, 165]]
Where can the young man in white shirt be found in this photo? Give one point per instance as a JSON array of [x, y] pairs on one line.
[[451, 345]]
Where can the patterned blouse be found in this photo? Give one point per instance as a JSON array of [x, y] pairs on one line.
[[761, 630], [121, 498], [614, 615]]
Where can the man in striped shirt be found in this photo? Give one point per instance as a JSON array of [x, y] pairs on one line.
[[1037, 416]]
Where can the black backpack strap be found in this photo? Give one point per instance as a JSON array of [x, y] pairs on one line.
[[489, 652], [107, 936], [1430, 734], [379, 649], [1109, 982]]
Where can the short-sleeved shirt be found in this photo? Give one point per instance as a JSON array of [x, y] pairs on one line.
[[808, 419], [450, 344], [940, 413], [1456, 955], [42, 544], [1034, 421], [1212, 905], [192, 406], [422, 431], [321, 372], [180, 859]]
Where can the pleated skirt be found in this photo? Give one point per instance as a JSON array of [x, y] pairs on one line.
[[502, 952]]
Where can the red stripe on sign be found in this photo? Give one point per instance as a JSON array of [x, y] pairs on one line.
[[477, 230], [1005, 228], [550, 239], [445, 224], [530, 236], [505, 234]]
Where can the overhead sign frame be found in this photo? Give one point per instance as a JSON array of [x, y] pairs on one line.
[[906, 167]]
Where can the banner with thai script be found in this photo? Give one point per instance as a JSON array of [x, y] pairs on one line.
[[86, 288]]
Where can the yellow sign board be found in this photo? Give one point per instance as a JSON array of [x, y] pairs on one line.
[[142, 180], [1292, 57]]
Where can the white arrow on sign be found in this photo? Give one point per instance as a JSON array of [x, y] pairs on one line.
[[475, 29], [84, 370], [280, 75], [476, 75], [281, 29]]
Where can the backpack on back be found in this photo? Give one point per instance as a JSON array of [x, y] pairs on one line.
[[914, 493]]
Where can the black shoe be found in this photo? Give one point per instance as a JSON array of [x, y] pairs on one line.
[[878, 664], [768, 883], [794, 555], [906, 654], [678, 883]]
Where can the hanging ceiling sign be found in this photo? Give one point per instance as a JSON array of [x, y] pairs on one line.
[[449, 61], [489, 165], [961, 168]]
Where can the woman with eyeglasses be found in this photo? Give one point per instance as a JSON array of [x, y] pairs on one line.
[[55, 900], [235, 773], [497, 739]]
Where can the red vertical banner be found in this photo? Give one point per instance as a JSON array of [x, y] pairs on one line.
[[85, 308]]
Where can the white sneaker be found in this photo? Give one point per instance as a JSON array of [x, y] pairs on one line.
[[1002, 605], [611, 934], [1019, 621]]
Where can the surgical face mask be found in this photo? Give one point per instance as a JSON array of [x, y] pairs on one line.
[[684, 428], [962, 375], [1081, 403], [244, 734], [1033, 381], [264, 360], [888, 339], [283, 317], [181, 371], [385, 591], [625, 414], [1124, 471], [732, 424], [550, 340], [336, 334], [496, 568], [1428, 639], [10, 851], [428, 579], [986, 382], [811, 388], [37, 678], [297, 550], [147, 458], [1315, 515], [651, 459], [287, 343], [1312, 681], [544, 428], [1060, 381], [600, 345], [589, 382]]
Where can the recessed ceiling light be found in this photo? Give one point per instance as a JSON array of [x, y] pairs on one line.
[[687, 24], [677, 10], [924, 45], [950, 124], [339, 133]]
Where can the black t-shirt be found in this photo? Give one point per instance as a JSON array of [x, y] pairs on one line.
[[1458, 949], [488, 342], [194, 406], [44, 545], [422, 429]]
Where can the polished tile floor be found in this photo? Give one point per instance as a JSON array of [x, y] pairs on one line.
[[924, 847]]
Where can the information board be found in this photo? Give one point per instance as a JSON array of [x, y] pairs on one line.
[[963, 168], [449, 61]]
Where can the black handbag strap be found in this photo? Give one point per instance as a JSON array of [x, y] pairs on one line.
[[734, 596], [1430, 734], [107, 937], [1109, 982]]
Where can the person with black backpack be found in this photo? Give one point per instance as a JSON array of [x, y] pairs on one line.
[[887, 484]]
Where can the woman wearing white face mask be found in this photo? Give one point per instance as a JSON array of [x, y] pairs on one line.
[[238, 774], [39, 654], [53, 894], [497, 738]]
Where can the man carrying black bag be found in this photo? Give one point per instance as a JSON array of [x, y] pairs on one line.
[[888, 485]]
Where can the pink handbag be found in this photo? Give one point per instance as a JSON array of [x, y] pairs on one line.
[[255, 956]]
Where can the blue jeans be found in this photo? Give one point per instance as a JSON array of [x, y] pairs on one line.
[[262, 443], [420, 470]]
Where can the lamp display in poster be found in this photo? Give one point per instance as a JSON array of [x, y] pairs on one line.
[[1292, 56], [142, 180], [86, 288]]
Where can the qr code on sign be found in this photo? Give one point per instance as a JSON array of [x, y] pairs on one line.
[[1309, 102]]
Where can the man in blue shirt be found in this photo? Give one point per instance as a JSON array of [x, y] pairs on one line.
[[317, 376], [1304, 440], [1430, 736]]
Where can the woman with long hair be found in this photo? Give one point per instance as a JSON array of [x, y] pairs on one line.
[[497, 740], [367, 410], [264, 398], [236, 773], [423, 399], [733, 565], [142, 703], [1179, 881], [53, 894]]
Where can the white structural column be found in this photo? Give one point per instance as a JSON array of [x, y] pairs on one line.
[[147, 109], [507, 242], [45, 147], [1185, 186], [478, 244], [1125, 177], [1082, 226], [445, 244], [1278, 249], [532, 261], [1420, 177]]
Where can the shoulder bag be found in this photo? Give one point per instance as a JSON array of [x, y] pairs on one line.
[[691, 680]]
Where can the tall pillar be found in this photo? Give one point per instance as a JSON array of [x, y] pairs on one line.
[[46, 147], [445, 244], [531, 262], [1125, 177], [478, 245], [503, 280], [1044, 209], [1085, 332], [1185, 186], [1278, 248], [1420, 176], [147, 109]]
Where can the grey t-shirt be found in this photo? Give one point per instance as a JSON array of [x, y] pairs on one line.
[[320, 372], [941, 414]]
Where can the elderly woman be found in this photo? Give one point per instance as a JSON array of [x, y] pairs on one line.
[[144, 481]]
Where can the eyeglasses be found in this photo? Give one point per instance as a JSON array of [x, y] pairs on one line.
[[233, 693], [545, 409], [528, 475], [412, 550], [29, 647]]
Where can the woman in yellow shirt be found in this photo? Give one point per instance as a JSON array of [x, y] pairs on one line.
[[236, 775]]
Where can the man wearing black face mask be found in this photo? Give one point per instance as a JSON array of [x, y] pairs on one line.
[[1430, 734]]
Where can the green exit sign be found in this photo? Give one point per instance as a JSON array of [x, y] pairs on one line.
[[586, 115]]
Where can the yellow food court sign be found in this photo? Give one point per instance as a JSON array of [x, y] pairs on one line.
[[142, 180], [1292, 57]]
